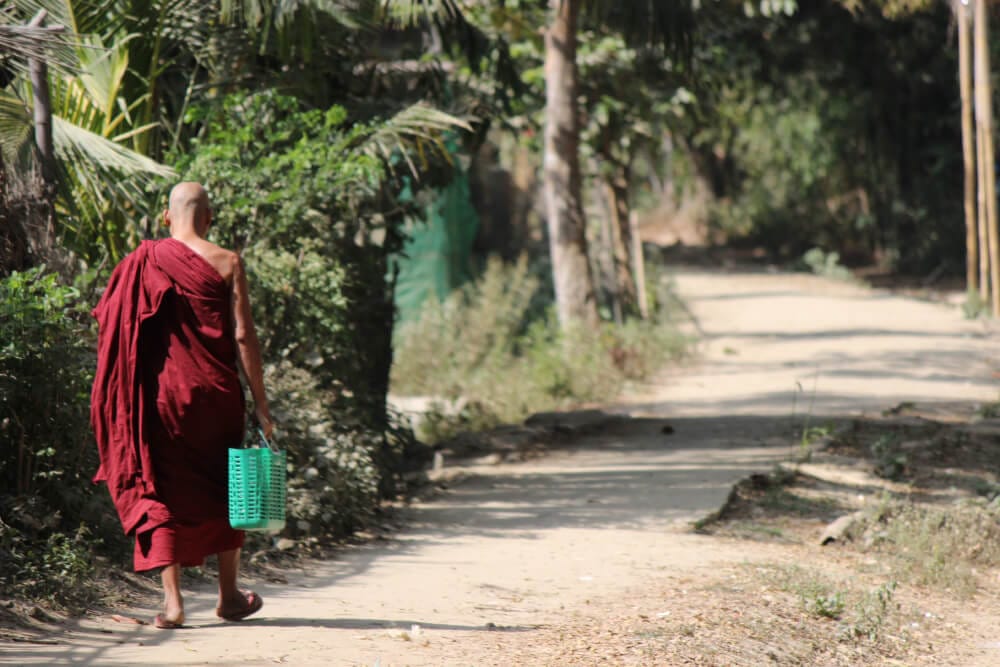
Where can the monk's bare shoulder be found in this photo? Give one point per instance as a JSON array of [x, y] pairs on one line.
[[225, 262]]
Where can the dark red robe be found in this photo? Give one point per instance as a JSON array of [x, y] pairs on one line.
[[167, 403]]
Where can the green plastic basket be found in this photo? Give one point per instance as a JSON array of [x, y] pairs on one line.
[[257, 488]]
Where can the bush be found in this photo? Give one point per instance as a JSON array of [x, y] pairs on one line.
[[488, 349], [45, 380], [46, 449], [333, 476], [317, 213], [942, 547]]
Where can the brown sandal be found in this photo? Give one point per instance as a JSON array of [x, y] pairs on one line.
[[163, 624], [254, 603]]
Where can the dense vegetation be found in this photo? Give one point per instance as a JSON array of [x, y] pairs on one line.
[[323, 129]]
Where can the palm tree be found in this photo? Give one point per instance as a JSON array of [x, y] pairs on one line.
[[104, 99]]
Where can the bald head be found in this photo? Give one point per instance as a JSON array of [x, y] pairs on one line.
[[188, 209]]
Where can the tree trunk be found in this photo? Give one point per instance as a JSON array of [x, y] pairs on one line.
[[968, 149], [562, 181], [616, 189], [984, 124], [46, 177]]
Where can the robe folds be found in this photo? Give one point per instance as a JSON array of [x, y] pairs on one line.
[[167, 403]]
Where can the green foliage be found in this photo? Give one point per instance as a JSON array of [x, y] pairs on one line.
[[56, 568], [312, 200], [46, 450], [45, 380], [827, 128], [975, 306], [988, 410], [827, 264], [493, 348], [890, 462], [826, 605], [333, 477], [788, 160], [862, 615], [941, 547], [871, 613]]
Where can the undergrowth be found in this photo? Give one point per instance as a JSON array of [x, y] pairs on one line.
[[494, 354], [940, 547], [861, 614]]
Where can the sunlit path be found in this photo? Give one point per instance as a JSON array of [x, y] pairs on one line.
[[509, 548]]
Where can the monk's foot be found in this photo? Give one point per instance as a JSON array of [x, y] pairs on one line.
[[169, 619], [238, 606]]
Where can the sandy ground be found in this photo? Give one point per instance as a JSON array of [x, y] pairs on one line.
[[486, 572]]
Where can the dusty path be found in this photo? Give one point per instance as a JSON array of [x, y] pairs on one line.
[[511, 548]]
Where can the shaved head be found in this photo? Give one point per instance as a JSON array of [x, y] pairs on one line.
[[188, 202]]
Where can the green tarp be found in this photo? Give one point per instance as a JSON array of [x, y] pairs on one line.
[[438, 256]]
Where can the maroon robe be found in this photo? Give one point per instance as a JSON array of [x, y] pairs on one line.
[[167, 403]]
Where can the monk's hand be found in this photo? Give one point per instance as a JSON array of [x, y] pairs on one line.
[[266, 423], [268, 427]]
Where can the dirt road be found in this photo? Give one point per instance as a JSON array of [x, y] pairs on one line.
[[508, 549]]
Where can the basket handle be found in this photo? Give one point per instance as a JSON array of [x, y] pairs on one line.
[[255, 425], [269, 443]]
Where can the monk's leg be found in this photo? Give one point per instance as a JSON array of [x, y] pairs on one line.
[[173, 603], [230, 598], [229, 567], [234, 604]]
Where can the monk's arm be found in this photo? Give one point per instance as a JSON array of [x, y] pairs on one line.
[[248, 347]]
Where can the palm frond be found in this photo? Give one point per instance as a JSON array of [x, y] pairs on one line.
[[294, 19], [16, 129], [21, 43], [80, 146], [415, 131], [413, 12]]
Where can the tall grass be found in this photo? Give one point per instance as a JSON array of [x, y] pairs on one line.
[[496, 348]]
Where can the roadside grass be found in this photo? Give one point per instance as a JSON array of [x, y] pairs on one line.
[[493, 353], [860, 613], [943, 547], [928, 528]]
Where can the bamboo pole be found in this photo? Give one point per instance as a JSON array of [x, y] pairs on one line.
[[983, 283], [968, 146], [984, 124]]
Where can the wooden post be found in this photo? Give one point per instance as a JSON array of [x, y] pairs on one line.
[[639, 262], [968, 145], [984, 125]]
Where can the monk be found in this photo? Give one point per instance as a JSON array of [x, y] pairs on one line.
[[175, 332]]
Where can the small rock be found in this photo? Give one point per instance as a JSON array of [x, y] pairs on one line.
[[836, 530], [285, 544], [40, 614], [667, 429]]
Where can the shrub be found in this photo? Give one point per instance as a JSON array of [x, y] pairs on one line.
[[488, 349], [318, 214], [941, 547], [333, 476], [45, 379], [46, 449]]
